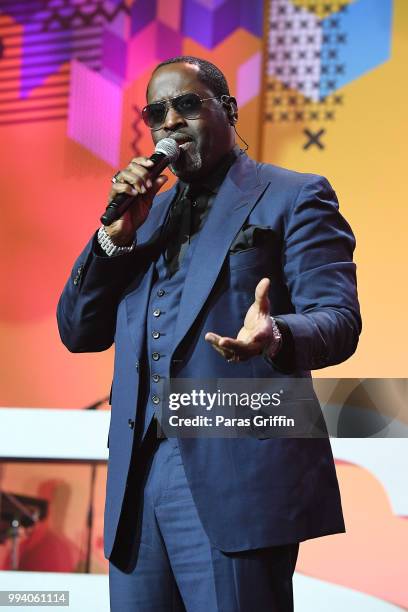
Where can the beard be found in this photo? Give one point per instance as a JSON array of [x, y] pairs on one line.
[[189, 162]]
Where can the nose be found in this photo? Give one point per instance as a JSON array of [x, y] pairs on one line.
[[173, 120]]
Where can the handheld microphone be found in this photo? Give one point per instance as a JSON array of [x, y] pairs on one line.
[[166, 152]]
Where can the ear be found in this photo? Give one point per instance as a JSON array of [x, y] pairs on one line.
[[231, 106]]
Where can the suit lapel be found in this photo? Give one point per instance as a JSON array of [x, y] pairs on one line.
[[156, 218], [237, 196]]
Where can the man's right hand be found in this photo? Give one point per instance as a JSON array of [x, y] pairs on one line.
[[139, 185]]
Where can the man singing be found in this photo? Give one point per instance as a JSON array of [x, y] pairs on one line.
[[241, 270]]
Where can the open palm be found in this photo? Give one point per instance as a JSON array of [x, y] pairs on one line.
[[256, 332]]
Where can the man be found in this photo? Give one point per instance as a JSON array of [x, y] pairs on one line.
[[241, 270]]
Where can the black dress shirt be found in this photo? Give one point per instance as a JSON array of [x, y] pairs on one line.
[[190, 209]]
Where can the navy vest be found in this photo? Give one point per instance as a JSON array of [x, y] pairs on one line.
[[161, 319]]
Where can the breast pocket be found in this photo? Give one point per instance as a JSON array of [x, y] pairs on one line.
[[248, 258], [247, 267]]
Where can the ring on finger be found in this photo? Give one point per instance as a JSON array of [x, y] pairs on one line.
[[115, 178], [234, 358]]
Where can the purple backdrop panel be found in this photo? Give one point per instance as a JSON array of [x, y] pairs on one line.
[[120, 25], [142, 13], [252, 16], [26, 15], [44, 52], [211, 4], [95, 113], [114, 54], [210, 26]]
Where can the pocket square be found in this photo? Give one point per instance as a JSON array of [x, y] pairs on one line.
[[251, 236]]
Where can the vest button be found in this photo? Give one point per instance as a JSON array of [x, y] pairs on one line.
[[156, 312], [131, 423], [155, 334], [78, 275], [156, 378], [155, 399], [161, 292], [155, 356]]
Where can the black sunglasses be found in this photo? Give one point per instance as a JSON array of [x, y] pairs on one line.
[[187, 105]]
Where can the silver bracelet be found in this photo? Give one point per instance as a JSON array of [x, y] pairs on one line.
[[109, 247], [277, 338]]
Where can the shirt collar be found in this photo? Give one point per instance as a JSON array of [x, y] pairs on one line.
[[213, 181]]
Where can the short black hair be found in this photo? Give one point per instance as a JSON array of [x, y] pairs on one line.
[[208, 73]]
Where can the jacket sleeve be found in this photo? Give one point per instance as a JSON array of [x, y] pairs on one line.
[[321, 278], [86, 311]]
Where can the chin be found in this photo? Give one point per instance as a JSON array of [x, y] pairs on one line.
[[187, 166]]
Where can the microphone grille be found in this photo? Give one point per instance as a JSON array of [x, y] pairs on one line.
[[168, 147]]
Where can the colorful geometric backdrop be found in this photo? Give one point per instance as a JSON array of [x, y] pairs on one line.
[[320, 89]]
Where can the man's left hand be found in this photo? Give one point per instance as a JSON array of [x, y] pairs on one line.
[[256, 334]]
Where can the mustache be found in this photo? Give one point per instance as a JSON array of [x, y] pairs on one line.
[[180, 137]]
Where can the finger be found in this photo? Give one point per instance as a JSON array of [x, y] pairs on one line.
[[214, 339], [142, 161], [224, 354], [261, 295], [225, 346], [244, 350], [138, 176], [128, 185], [229, 343], [122, 188], [136, 190], [142, 166], [230, 347], [236, 347]]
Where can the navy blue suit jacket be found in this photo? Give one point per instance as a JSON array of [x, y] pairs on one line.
[[249, 492]]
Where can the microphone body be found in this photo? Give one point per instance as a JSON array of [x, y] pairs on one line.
[[166, 152]]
